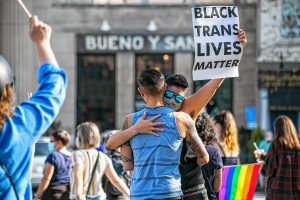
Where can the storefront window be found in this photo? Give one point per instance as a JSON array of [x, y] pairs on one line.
[[162, 62], [96, 90], [222, 100]]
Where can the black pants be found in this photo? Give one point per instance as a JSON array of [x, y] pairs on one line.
[[57, 193], [174, 198], [195, 193]]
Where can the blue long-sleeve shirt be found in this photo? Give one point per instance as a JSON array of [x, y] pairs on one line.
[[32, 118]]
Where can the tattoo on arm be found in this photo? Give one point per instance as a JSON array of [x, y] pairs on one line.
[[193, 139], [125, 123], [126, 159], [192, 114]]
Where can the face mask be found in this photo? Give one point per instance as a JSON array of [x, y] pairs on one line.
[[171, 103], [50, 147]]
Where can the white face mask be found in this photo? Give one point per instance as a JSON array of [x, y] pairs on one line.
[[171, 103]]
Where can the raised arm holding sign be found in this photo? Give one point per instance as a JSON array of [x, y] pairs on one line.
[[218, 50]]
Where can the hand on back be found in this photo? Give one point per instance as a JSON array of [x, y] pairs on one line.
[[149, 126]]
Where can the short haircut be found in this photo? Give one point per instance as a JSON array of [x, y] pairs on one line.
[[152, 81], [61, 135], [177, 80], [205, 129], [88, 135]]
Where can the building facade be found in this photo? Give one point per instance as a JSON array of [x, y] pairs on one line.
[[278, 61], [105, 45]]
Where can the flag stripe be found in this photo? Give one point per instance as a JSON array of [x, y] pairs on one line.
[[253, 181], [235, 182], [223, 186], [229, 183], [247, 181], [241, 182]]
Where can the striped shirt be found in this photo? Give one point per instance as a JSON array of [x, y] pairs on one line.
[[86, 159]]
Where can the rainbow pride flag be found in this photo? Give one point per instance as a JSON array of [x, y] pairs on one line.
[[239, 182]]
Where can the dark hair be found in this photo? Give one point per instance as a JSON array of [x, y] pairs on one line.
[[205, 129], [152, 81], [62, 136], [177, 80]]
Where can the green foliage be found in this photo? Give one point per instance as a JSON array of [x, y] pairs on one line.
[[246, 139]]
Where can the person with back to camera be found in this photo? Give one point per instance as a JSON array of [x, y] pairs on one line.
[[22, 126], [155, 160], [89, 165], [227, 136], [175, 98], [212, 171], [55, 184], [282, 162]]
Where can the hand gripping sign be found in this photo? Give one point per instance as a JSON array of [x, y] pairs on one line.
[[217, 48]]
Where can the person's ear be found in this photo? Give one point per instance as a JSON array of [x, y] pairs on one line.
[[165, 87], [141, 92]]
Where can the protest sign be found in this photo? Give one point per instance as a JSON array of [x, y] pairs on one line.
[[217, 48]]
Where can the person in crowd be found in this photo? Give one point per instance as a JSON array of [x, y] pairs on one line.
[[282, 161], [264, 146], [227, 136], [156, 159], [265, 143], [20, 127], [174, 98], [89, 165], [212, 172], [55, 184], [112, 192]]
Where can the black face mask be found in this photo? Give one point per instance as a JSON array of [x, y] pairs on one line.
[[6, 75]]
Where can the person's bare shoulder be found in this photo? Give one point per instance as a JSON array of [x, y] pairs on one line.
[[127, 122], [182, 119]]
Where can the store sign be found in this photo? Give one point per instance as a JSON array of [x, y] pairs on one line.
[[134, 42], [279, 79], [283, 87], [218, 50]]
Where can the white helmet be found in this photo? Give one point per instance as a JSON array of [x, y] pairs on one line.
[[6, 75]]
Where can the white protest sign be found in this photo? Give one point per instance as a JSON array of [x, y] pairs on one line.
[[217, 48]]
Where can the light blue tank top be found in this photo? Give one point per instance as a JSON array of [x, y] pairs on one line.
[[156, 159]]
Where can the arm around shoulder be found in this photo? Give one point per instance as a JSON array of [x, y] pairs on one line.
[[193, 138]]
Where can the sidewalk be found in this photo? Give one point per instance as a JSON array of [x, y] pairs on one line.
[[259, 196]]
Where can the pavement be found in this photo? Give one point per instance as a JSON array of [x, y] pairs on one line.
[[259, 195]]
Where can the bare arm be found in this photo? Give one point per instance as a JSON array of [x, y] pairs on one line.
[[49, 170], [194, 140], [115, 180], [77, 170], [127, 157], [126, 151], [40, 34], [195, 103], [217, 182], [142, 126]]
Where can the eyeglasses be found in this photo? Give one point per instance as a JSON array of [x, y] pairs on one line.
[[170, 94], [52, 141]]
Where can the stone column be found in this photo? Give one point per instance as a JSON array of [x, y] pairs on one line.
[[16, 46], [125, 86], [183, 65]]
